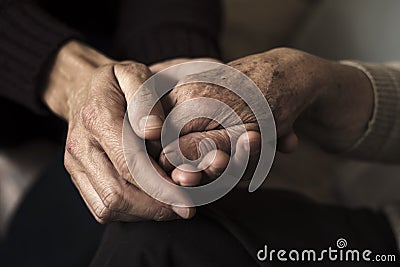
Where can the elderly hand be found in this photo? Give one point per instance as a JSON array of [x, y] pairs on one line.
[[330, 102], [91, 93]]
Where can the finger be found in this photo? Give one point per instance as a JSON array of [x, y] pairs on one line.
[[118, 196], [248, 144], [214, 163], [144, 111], [142, 169], [138, 160], [94, 161], [245, 157], [90, 196], [288, 143], [183, 212], [108, 134], [103, 119], [193, 147], [186, 175], [247, 153]]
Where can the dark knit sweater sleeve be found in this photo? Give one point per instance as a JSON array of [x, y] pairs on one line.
[[154, 30], [28, 39]]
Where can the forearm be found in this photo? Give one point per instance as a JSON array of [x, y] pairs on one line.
[[73, 65]]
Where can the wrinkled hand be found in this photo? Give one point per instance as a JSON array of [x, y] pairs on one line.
[[330, 102], [91, 92]]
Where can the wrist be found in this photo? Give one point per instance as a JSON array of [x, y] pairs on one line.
[[72, 66], [345, 105]]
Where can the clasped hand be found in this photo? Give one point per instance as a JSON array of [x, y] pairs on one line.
[[91, 92]]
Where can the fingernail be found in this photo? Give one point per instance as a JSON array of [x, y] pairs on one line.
[[183, 212], [150, 122]]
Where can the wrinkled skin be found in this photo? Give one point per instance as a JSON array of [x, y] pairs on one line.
[[330, 102], [94, 104]]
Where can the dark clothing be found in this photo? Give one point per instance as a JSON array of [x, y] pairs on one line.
[[232, 230], [229, 232], [31, 32], [29, 38]]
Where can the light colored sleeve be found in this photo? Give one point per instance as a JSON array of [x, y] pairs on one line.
[[381, 140]]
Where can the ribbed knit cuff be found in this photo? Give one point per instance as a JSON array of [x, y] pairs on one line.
[[381, 141], [28, 40]]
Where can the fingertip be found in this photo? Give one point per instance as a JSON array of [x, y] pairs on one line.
[[186, 175], [247, 146], [184, 213], [191, 213], [214, 163], [249, 141]]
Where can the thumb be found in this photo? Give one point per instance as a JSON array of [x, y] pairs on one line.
[[144, 111]]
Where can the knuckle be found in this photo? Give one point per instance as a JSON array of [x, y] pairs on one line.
[[125, 70], [102, 72], [140, 67], [142, 70], [125, 173], [102, 214], [112, 198], [73, 148], [101, 221], [89, 116]]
